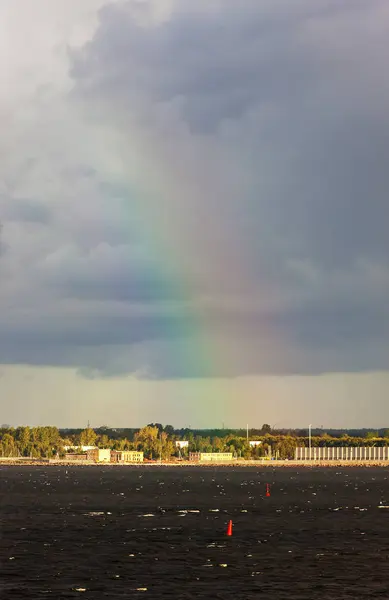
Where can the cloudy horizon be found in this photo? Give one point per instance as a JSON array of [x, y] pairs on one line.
[[193, 201]]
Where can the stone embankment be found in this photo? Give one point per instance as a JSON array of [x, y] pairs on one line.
[[238, 463]]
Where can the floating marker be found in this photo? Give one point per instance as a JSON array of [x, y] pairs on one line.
[[229, 528], [267, 490]]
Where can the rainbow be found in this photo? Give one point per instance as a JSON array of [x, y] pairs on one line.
[[186, 241]]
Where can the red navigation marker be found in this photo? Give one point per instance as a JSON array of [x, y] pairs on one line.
[[267, 490], [229, 528]]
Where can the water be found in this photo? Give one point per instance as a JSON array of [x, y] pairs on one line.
[[150, 532]]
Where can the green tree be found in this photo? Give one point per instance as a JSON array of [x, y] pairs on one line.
[[147, 441], [159, 426], [8, 446], [167, 446], [23, 435], [285, 447], [218, 444], [88, 437], [265, 429], [102, 441]]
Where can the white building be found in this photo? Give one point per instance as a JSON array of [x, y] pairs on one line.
[[99, 454], [348, 453], [182, 444], [80, 448], [211, 456]]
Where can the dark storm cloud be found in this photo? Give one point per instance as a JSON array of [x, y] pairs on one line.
[[25, 211], [321, 158], [220, 61], [93, 332], [273, 118], [121, 279], [300, 93]]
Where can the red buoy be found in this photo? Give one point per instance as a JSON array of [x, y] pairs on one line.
[[267, 490], [229, 528]]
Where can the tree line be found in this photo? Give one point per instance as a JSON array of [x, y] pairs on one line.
[[158, 441]]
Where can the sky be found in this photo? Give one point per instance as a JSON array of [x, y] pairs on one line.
[[194, 211]]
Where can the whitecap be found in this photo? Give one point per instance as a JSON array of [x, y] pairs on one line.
[[94, 514]]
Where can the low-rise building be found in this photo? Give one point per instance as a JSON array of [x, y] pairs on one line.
[[99, 455], [346, 453], [211, 456], [76, 457], [126, 456], [80, 448]]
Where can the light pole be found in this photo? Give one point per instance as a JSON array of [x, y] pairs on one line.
[[310, 441]]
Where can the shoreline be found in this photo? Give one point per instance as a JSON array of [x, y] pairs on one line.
[[239, 464]]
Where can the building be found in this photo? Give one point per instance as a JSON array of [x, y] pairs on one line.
[[348, 453], [81, 448], [211, 456], [182, 444], [76, 457], [126, 456], [99, 455]]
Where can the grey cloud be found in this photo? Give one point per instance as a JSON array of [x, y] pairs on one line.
[[93, 332], [218, 61], [295, 113], [320, 157], [109, 273], [268, 151], [25, 211]]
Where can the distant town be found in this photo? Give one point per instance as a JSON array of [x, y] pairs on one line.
[[163, 443]]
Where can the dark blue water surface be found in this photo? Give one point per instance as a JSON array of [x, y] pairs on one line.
[[159, 532]]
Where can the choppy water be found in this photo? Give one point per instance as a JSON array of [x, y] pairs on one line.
[[129, 532]]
